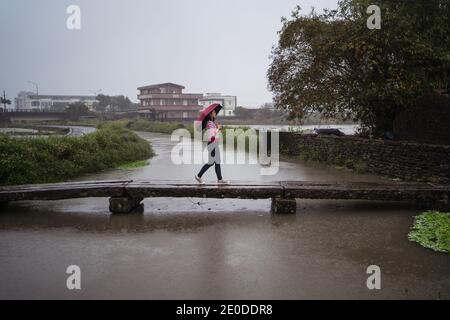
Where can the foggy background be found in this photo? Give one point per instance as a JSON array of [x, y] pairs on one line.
[[206, 45]]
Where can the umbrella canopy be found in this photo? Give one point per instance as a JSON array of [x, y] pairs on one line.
[[203, 117]]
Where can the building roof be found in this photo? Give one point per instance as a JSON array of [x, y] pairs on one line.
[[171, 108], [161, 85], [61, 97]]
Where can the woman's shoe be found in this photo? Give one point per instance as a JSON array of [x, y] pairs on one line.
[[223, 182], [199, 180]]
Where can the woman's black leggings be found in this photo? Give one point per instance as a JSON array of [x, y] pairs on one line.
[[207, 166]]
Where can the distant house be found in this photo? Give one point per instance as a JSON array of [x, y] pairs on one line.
[[229, 103], [28, 101], [166, 101]]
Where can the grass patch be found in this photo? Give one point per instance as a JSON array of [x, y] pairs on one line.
[[431, 230], [54, 159], [134, 165], [155, 126]]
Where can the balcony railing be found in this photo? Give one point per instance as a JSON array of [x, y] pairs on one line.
[[170, 96]]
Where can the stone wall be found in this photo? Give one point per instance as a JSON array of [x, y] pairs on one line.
[[405, 160]]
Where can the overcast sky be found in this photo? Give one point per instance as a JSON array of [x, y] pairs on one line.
[[205, 45]]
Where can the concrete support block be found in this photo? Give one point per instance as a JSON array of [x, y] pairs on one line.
[[283, 206], [123, 204]]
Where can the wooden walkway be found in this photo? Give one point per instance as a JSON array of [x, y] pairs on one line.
[[126, 195]]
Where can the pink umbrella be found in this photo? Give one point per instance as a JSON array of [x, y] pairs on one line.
[[203, 117]]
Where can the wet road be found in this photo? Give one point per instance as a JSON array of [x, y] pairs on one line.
[[216, 248]]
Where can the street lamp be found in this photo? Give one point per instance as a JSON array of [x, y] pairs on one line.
[[36, 85], [95, 92]]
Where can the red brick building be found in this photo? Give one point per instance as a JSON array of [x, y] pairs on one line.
[[166, 102]]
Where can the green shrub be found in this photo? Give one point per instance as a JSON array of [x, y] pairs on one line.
[[432, 230], [154, 126], [53, 159]]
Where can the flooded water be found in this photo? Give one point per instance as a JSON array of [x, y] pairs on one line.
[[190, 248]]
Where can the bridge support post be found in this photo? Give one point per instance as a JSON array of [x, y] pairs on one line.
[[283, 206], [123, 204]]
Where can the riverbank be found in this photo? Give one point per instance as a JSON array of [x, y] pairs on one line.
[[20, 130], [54, 159], [154, 126]]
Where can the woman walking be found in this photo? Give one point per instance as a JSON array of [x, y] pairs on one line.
[[209, 122]]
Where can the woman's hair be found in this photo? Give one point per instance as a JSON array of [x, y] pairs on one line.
[[210, 116]]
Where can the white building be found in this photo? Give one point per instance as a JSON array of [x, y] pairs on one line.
[[31, 101], [229, 103]]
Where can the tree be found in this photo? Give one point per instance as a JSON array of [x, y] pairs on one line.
[[5, 101], [59, 106], [113, 103], [77, 109], [333, 64], [123, 103], [103, 102], [242, 113]]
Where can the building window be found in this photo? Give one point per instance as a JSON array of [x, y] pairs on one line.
[[185, 114], [163, 90], [185, 102]]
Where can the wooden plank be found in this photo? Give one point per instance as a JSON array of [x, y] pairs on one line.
[[59, 192], [64, 185], [365, 191], [238, 189], [242, 190], [195, 184], [393, 184]]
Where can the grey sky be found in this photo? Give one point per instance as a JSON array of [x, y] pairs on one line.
[[205, 45]]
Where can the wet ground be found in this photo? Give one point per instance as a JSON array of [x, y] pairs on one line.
[[217, 248]]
